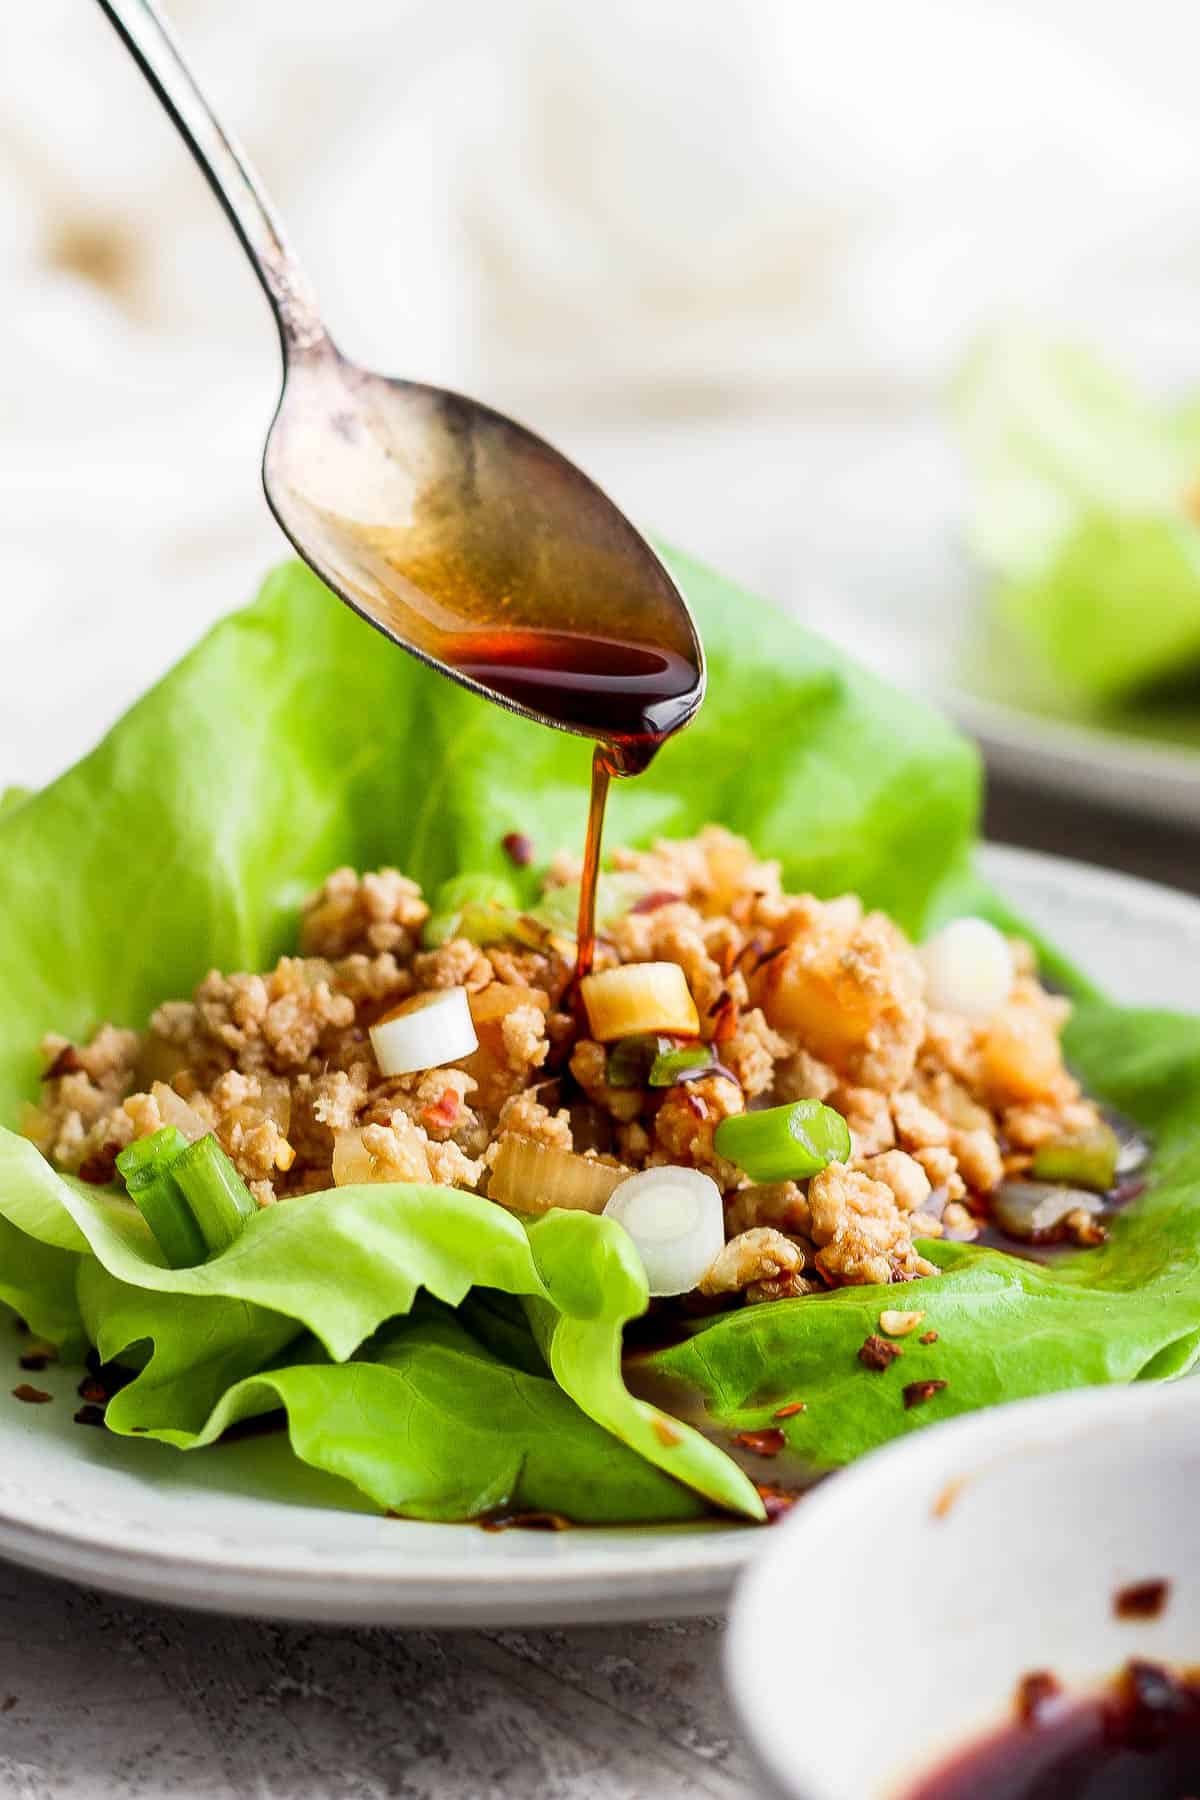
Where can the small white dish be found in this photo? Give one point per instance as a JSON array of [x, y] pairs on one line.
[[239, 1529], [890, 1620]]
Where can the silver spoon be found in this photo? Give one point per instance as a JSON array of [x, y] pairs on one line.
[[458, 533]]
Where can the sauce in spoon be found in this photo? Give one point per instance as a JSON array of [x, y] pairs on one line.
[[630, 695]]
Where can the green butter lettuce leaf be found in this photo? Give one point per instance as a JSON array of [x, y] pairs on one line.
[[38, 1282], [294, 739], [1007, 1328], [337, 1266], [1083, 512], [429, 1423]]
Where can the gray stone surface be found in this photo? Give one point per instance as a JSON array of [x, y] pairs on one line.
[[106, 1700]]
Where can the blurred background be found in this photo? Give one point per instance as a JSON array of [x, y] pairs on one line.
[[727, 257]]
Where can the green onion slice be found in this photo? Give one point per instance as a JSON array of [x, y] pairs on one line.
[[220, 1200], [784, 1143], [170, 1218], [631, 1059], [669, 1065], [480, 907], [1086, 1159], [141, 1161]]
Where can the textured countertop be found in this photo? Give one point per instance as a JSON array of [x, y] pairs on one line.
[[102, 1700]]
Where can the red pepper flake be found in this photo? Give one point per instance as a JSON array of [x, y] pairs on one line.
[[110, 1377], [93, 1390], [767, 1442], [876, 1353], [724, 1015], [790, 1410], [918, 1392], [30, 1395], [667, 1433], [928, 1337], [1142, 1600], [443, 1112], [37, 1359], [90, 1415], [100, 1169], [652, 902], [1035, 1693], [777, 1501], [65, 1063], [753, 946], [518, 848], [499, 1519], [7, 1704]]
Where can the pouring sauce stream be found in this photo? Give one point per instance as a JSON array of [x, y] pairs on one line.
[[630, 696]]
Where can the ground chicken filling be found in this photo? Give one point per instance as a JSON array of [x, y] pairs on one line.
[[800, 998]]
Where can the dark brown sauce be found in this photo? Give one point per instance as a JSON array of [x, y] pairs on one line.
[[762, 1453], [1137, 1740], [629, 695]]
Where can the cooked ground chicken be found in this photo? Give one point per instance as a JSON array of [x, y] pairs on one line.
[[800, 998]]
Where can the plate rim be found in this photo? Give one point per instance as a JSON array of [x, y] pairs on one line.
[[670, 1571]]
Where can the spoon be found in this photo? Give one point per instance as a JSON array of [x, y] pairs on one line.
[[460, 535]]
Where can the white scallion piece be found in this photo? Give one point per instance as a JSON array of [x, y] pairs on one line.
[[424, 1032], [637, 997], [968, 968], [676, 1219]]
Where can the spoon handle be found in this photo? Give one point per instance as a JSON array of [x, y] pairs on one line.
[[234, 182]]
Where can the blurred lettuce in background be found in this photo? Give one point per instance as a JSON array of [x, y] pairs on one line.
[[1085, 513]]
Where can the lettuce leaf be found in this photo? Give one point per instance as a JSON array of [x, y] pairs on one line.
[[210, 1328], [1083, 512], [292, 739], [1007, 1328]]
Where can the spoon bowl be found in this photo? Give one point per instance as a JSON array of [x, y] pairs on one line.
[[471, 542], [460, 535]]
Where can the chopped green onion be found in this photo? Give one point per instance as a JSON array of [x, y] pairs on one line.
[[669, 1065], [784, 1143], [141, 1161], [1087, 1159], [480, 907], [558, 909], [631, 1059], [171, 1220], [219, 1198]]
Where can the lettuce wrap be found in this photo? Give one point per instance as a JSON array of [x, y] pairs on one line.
[[424, 1344]]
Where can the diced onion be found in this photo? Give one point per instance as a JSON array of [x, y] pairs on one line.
[[353, 1166], [531, 1178], [1035, 1209], [676, 1219], [638, 997], [424, 1032], [174, 1111], [968, 968]]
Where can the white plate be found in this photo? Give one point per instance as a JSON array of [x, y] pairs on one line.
[[227, 1529]]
